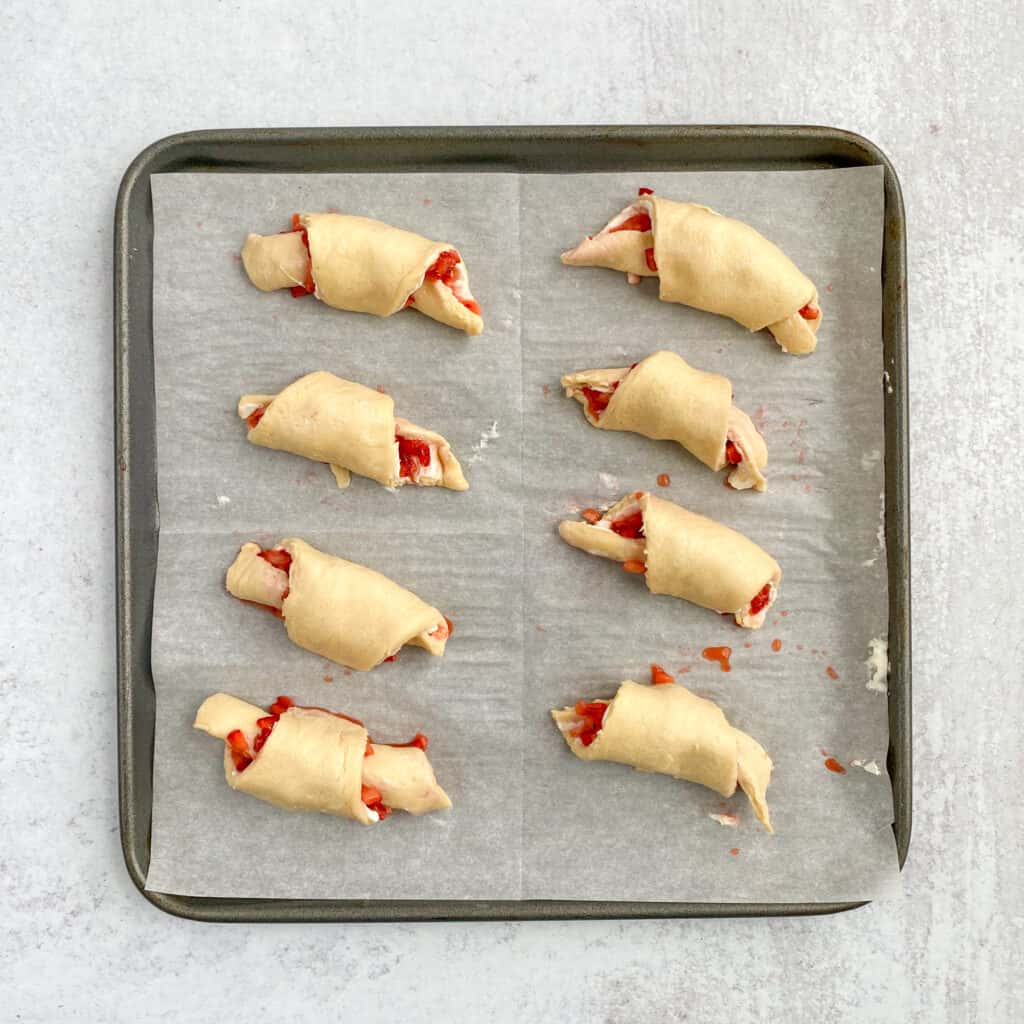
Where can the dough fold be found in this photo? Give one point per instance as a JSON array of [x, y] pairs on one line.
[[350, 427], [684, 555], [711, 262], [335, 608], [315, 760], [364, 266], [671, 731], [664, 398]]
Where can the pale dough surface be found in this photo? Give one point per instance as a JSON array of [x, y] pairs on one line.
[[669, 730]]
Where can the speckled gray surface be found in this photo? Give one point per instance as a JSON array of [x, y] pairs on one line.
[[936, 85]]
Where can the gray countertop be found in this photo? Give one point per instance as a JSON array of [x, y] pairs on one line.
[[84, 90]]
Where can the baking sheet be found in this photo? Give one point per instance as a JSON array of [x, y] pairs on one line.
[[537, 623]]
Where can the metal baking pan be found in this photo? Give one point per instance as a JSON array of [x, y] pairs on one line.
[[576, 149]]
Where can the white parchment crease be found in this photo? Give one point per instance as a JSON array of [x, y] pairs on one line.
[[537, 624]]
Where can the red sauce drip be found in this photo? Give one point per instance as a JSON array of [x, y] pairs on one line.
[[597, 401], [278, 558], [761, 599], [652, 265], [659, 677], [732, 454], [370, 796], [719, 654], [419, 740], [638, 222], [413, 455], [591, 515], [645, 191], [831, 673], [809, 314], [776, 645], [631, 526], [834, 766], [635, 566], [593, 718], [255, 416], [735, 851]]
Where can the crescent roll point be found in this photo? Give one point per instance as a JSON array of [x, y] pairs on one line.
[[364, 266], [664, 398], [669, 730], [338, 609], [711, 262], [354, 430], [681, 554], [311, 759]]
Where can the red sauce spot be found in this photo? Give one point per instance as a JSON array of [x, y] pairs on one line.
[[748, 644], [719, 654], [664, 479], [831, 673], [784, 614], [472, 305], [652, 266], [776, 645], [645, 191], [254, 417], [631, 526], [591, 515], [809, 314], [635, 566], [761, 599], [593, 718], [348, 671], [799, 647], [732, 454], [735, 851], [834, 766], [328, 679], [413, 455], [659, 677], [278, 558], [638, 222]]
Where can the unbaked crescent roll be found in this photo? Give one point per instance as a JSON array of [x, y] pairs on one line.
[[365, 266], [708, 261], [337, 609], [682, 554], [354, 430], [311, 759], [665, 398], [669, 730]]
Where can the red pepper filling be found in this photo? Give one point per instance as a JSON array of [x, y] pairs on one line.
[[645, 191], [809, 314], [649, 259], [370, 796], [278, 558], [659, 677], [732, 454], [443, 270], [307, 287], [591, 515], [239, 747], [255, 416], [593, 718], [443, 631], [631, 526], [597, 401], [638, 222], [761, 599], [413, 455]]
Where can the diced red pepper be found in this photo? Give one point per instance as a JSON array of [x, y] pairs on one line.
[[732, 454], [371, 797], [808, 313], [659, 677], [761, 599], [652, 266], [472, 305], [591, 515], [411, 301], [255, 416], [645, 191], [239, 747], [635, 566], [631, 526], [281, 705], [443, 268], [592, 714], [638, 222], [419, 740], [443, 631], [278, 558], [368, 752], [412, 455]]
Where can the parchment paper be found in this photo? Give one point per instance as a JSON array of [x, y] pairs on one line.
[[537, 624]]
